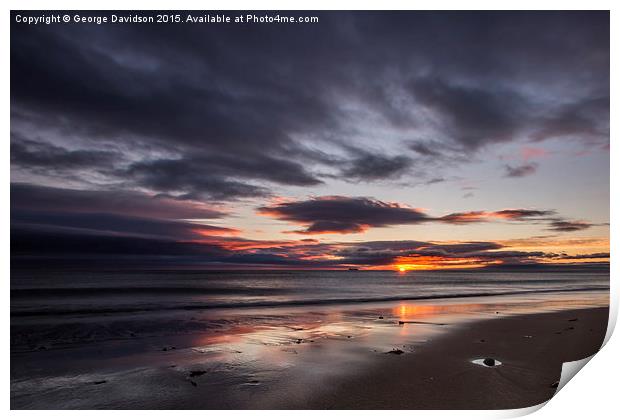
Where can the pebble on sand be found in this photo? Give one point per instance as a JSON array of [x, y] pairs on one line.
[[487, 362], [194, 373]]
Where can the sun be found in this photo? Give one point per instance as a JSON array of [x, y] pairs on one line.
[[402, 269]]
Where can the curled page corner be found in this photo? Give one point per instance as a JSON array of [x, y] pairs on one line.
[[520, 412], [570, 369], [611, 323]]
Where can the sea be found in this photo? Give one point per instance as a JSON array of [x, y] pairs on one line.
[[119, 338], [86, 302]]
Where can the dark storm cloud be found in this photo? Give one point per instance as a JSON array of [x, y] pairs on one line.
[[155, 123], [110, 213], [192, 181], [519, 214], [426, 148], [39, 155], [106, 94], [236, 103], [391, 253], [44, 243], [547, 217], [521, 170], [588, 120], [474, 116], [486, 216], [584, 256], [215, 177], [372, 167], [337, 214], [464, 217], [29, 245], [439, 154], [128, 203], [113, 224], [569, 226], [462, 247]]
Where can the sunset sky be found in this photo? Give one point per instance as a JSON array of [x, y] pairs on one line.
[[372, 140]]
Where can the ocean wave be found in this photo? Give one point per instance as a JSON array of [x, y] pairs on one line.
[[294, 303]]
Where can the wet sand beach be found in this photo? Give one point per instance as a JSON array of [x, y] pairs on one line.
[[406, 355], [440, 375]]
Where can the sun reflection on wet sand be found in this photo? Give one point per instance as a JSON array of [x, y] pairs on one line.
[[288, 336], [245, 354]]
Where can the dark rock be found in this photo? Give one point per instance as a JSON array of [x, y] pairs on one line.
[[194, 373], [483, 341], [401, 322], [99, 382], [555, 384], [299, 340], [573, 319], [489, 362], [380, 317], [193, 383], [395, 351]]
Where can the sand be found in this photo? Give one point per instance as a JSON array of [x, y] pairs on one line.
[[440, 375], [332, 358]]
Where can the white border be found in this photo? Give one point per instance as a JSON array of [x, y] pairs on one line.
[[593, 393]]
